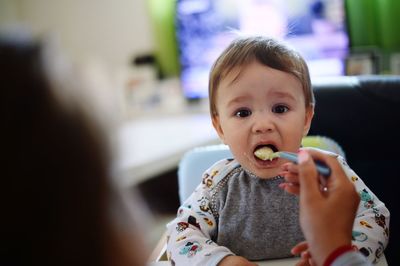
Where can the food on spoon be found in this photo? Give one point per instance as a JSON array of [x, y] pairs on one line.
[[266, 153]]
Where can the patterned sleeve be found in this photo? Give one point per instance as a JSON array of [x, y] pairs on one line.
[[371, 226], [351, 258], [190, 233]]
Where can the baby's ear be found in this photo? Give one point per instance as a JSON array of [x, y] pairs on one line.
[[217, 126], [308, 118]]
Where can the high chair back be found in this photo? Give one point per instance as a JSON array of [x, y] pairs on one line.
[[194, 163]]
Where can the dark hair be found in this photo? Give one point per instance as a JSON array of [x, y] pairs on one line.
[[267, 51], [55, 188]]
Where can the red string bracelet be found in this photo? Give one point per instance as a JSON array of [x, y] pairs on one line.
[[337, 252]]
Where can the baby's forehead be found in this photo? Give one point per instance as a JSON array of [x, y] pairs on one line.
[[274, 83], [231, 73]]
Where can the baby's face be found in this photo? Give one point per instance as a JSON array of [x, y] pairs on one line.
[[262, 106]]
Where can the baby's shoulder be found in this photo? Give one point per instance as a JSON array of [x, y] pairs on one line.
[[213, 175], [345, 166]]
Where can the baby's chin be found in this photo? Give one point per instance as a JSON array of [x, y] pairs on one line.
[[268, 174], [263, 169], [265, 173]]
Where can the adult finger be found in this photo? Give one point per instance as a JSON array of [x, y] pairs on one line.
[[299, 248], [290, 177], [291, 188], [291, 167], [309, 184], [332, 162]]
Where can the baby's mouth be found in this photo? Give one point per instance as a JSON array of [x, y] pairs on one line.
[[265, 152]]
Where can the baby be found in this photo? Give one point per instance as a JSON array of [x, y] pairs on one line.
[[260, 96]]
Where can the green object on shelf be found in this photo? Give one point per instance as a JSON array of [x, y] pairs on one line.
[[362, 23], [389, 16], [162, 14], [374, 23]]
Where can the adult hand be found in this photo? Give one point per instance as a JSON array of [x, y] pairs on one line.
[[290, 172], [326, 217], [301, 249]]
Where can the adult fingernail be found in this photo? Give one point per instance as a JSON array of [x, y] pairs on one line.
[[303, 156]]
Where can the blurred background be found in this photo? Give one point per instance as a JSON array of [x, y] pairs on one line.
[[157, 53], [155, 56]]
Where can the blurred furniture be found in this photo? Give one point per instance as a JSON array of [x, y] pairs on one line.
[[150, 146], [363, 115]]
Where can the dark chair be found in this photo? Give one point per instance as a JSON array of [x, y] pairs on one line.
[[363, 115]]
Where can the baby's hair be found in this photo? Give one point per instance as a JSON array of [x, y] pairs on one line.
[[267, 51]]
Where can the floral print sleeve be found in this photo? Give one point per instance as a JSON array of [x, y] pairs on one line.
[[371, 227], [190, 234]]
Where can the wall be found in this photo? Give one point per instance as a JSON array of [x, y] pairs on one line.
[[110, 31], [101, 37], [8, 12]]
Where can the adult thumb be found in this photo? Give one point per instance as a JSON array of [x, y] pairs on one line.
[[308, 176]]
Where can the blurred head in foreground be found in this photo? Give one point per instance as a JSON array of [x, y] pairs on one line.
[[58, 203]]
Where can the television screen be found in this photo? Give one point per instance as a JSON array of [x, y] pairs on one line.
[[205, 27]]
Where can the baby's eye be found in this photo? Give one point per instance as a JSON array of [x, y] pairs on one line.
[[280, 108], [243, 113]]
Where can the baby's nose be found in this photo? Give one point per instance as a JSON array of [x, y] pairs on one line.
[[263, 124]]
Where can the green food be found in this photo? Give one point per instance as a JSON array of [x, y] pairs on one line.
[[266, 153]]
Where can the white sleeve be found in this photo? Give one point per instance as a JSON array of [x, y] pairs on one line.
[[190, 233], [371, 226]]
